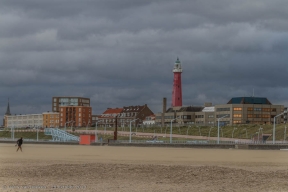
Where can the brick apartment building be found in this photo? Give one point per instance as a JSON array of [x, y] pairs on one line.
[[76, 116], [124, 116]]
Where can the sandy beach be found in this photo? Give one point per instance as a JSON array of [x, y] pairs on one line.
[[106, 168]]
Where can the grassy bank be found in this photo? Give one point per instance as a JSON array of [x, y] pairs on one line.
[[237, 131]]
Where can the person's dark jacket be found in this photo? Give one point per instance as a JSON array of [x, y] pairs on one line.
[[19, 141]]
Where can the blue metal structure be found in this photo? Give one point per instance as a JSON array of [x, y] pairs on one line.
[[60, 135]]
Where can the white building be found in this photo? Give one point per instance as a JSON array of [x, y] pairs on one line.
[[149, 120], [23, 121]]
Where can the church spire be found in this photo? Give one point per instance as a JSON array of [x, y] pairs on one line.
[[8, 109]]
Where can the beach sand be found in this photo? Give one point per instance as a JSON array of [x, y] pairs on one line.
[[107, 168]]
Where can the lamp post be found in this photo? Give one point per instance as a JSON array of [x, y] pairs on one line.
[[219, 126], [130, 130], [210, 131], [96, 131], [187, 130], [260, 129], [274, 125], [37, 131], [171, 129], [72, 124], [285, 134], [246, 132], [66, 124], [258, 136], [87, 124], [199, 130], [233, 132]]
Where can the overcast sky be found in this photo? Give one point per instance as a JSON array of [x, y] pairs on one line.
[[121, 52]]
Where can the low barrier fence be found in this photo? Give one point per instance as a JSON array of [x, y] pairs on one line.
[[203, 142]]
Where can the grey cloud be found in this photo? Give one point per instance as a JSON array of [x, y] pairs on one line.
[[122, 52]]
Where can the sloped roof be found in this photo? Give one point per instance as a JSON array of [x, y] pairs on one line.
[[133, 108], [113, 111], [249, 100], [208, 109], [186, 109]]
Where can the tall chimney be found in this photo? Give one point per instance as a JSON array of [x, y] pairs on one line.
[[164, 111]]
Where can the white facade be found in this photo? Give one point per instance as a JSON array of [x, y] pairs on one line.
[[148, 122], [23, 121]]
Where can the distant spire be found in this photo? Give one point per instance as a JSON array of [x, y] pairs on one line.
[[8, 109]]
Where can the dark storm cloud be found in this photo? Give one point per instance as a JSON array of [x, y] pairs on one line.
[[121, 53]]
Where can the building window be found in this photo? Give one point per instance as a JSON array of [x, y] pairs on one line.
[[265, 116], [250, 109], [61, 109], [266, 109], [222, 115], [210, 116], [236, 122], [237, 109], [257, 109], [237, 115], [223, 109]]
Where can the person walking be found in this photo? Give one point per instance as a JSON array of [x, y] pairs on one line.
[[19, 143]]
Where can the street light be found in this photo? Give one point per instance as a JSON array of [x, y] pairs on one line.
[[246, 133], [72, 124], [218, 127], [37, 131], [66, 124], [210, 131], [130, 130], [199, 130], [274, 125], [260, 129], [285, 134], [96, 132], [233, 132], [187, 130], [87, 124], [171, 129]]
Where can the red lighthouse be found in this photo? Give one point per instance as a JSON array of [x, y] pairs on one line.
[[177, 85]]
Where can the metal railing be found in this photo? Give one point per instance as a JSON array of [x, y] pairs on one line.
[[198, 142], [60, 135]]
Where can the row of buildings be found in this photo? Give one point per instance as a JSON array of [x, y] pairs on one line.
[[238, 110], [77, 112]]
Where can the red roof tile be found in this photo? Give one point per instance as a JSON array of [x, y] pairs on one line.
[[113, 111]]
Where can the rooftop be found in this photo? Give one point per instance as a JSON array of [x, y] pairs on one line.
[[249, 100]]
